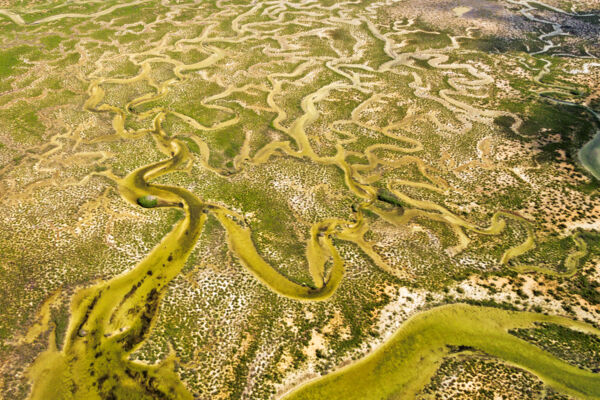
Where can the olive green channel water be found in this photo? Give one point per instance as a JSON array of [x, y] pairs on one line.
[[111, 319], [404, 364]]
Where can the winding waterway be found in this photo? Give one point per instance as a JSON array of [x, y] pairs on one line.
[[111, 319], [406, 362]]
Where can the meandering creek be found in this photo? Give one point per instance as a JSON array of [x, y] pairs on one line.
[[111, 319]]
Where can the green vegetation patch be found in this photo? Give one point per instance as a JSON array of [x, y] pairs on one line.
[[388, 197], [148, 201], [578, 348]]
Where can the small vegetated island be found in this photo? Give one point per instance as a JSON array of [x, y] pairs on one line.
[[300, 199]]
